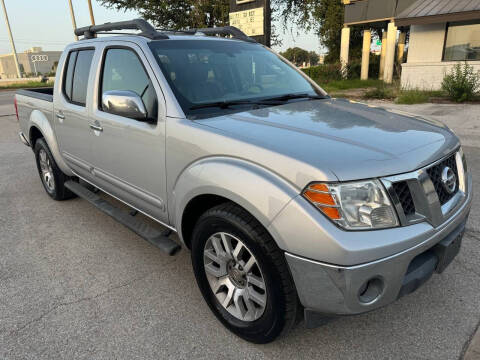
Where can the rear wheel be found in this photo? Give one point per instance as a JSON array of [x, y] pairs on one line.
[[242, 274], [52, 177]]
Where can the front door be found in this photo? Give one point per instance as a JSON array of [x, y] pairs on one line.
[[129, 154]]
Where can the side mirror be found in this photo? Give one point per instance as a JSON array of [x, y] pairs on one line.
[[124, 103]]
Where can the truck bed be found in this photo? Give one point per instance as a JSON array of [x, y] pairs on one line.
[[45, 93]]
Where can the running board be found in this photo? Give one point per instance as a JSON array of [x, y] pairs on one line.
[[154, 236]]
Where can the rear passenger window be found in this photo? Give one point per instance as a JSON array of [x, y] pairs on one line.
[[67, 84], [76, 76], [123, 70]]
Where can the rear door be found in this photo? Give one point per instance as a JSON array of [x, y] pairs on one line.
[[128, 154], [72, 111]]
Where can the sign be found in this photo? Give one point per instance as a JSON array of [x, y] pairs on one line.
[[36, 58], [251, 21]]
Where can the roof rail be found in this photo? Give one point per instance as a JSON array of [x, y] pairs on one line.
[[147, 30], [225, 30]]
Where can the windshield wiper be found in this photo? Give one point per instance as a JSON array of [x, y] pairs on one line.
[[227, 104], [287, 97]]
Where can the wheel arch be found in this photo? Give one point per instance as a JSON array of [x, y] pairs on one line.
[[40, 127], [213, 181]]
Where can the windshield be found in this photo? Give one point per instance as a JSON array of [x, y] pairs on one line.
[[203, 72]]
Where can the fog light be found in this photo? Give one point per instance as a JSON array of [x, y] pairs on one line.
[[370, 290]]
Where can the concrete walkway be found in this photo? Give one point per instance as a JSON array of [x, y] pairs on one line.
[[463, 119]]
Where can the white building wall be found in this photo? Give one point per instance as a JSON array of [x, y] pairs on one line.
[[424, 68]]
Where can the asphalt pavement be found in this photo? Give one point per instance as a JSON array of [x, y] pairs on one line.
[[74, 284]]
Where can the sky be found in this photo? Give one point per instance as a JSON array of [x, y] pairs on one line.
[[47, 23]]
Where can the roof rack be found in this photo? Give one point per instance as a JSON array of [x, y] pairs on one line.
[[147, 30]]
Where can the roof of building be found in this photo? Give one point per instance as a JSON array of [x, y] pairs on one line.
[[435, 11]]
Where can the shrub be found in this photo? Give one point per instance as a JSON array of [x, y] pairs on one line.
[[462, 83], [325, 73], [380, 93]]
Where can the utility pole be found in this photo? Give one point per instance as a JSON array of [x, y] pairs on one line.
[[72, 14], [15, 58], [92, 19]]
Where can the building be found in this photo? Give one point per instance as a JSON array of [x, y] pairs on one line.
[[33, 62], [442, 33]]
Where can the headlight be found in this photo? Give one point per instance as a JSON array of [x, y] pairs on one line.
[[355, 205]]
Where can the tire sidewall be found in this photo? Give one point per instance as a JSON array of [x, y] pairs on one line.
[[39, 145], [271, 323]]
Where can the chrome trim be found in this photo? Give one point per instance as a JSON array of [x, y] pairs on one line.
[[23, 138], [424, 195], [124, 103], [126, 203], [96, 127]]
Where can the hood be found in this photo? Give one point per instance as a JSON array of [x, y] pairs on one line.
[[352, 140]]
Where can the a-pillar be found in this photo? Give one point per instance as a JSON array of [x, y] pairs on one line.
[[344, 49], [383, 51], [401, 46], [390, 53], [367, 41]]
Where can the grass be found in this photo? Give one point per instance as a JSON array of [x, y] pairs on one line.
[[410, 97], [349, 84], [29, 84], [380, 93]]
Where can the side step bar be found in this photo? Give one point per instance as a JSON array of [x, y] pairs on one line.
[[154, 236]]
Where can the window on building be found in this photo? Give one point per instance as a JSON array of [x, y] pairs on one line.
[[463, 41]]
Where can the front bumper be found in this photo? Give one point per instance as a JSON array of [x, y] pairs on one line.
[[336, 290]]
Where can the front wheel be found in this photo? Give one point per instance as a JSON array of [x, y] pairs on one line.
[[242, 274], [52, 177]]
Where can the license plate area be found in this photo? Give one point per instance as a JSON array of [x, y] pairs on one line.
[[447, 249]]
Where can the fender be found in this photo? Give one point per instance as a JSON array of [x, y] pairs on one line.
[[40, 121], [258, 190]]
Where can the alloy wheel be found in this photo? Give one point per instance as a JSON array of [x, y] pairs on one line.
[[235, 277]]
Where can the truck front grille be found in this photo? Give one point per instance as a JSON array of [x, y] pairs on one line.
[[421, 196], [405, 197], [435, 173]]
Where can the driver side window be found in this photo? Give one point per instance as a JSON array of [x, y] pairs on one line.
[[123, 70]]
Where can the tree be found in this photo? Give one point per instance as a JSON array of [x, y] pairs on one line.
[[177, 14], [313, 58], [325, 17], [296, 55]]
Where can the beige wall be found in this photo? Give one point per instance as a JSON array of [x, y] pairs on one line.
[[426, 43], [424, 68]]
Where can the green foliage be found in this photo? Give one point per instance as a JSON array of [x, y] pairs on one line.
[[323, 74], [381, 92], [353, 84], [26, 85], [325, 17], [298, 56], [415, 96], [177, 14], [313, 58], [462, 83]]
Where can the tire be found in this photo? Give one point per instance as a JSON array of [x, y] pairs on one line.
[[245, 317], [52, 177]]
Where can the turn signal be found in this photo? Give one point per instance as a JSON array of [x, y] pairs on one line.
[[323, 199]]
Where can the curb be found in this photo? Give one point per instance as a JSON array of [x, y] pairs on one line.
[[473, 351]]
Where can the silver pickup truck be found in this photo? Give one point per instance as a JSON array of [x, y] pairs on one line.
[[292, 203]]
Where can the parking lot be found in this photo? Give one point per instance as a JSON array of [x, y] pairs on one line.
[[76, 284]]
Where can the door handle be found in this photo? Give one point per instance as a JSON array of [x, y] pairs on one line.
[[95, 127], [60, 115]]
